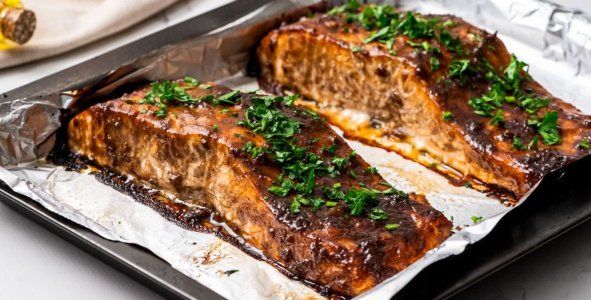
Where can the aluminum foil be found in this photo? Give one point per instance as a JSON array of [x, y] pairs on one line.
[[553, 40]]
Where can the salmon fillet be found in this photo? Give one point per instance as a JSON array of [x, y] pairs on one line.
[[427, 93], [207, 153]]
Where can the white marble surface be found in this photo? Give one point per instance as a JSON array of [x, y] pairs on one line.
[[35, 264]]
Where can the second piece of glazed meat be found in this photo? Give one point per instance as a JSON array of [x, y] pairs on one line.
[[432, 88]]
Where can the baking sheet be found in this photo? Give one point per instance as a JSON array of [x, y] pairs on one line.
[[119, 218]]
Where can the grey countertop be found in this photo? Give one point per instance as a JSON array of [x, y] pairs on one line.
[[35, 264], [560, 269]]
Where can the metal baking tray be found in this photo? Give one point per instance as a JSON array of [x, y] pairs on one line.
[[562, 201]]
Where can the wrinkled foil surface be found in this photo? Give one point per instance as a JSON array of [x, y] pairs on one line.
[[553, 40]]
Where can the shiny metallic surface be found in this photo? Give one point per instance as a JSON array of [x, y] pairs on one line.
[[26, 126]]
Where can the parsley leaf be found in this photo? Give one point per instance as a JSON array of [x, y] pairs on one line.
[[357, 49], [254, 151], [359, 198], [434, 63], [391, 226], [452, 44], [532, 104], [378, 214], [447, 116], [548, 129], [533, 143], [228, 98], [371, 170], [340, 162], [426, 46], [191, 82], [517, 144], [498, 118], [350, 7], [584, 143], [458, 68], [334, 192], [476, 219], [513, 72], [295, 206]]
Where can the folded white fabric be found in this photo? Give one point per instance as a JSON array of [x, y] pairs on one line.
[[63, 25]]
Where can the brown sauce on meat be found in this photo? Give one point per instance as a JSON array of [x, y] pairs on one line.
[[190, 217], [513, 171]]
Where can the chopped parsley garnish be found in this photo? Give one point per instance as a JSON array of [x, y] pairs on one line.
[[301, 168], [533, 144], [331, 203], [391, 226], [517, 144], [228, 98], [447, 116], [506, 88], [357, 49], [426, 46], [532, 104], [458, 68], [513, 72], [254, 151], [584, 144], [295, 205], [476, 219], [340, 162], [332, 149], [378, 214], [359, 198], [351, 7], [475, 37], [452, 44], [191, 82], [169, 93], [386, 25], [549, 130], [434, 63], [497, 118], [448, 23], [334, 192], [371, 170], [299, 200], [432, 35]]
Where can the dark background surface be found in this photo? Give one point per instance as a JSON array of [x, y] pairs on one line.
[[559, 270]]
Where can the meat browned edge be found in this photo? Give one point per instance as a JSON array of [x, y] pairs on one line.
[[182, 154], [392, 99]]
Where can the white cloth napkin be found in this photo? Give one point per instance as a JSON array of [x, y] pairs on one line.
[[63, 25]]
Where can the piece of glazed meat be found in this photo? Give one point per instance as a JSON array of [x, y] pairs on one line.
[[435, 89], [278, 175]]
